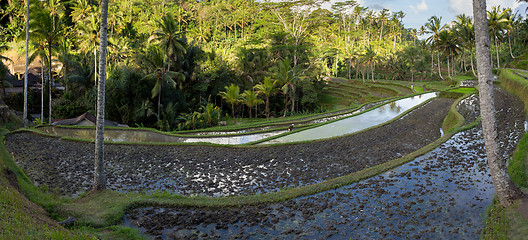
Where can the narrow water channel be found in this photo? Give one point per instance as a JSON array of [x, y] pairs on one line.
[[357, 123]]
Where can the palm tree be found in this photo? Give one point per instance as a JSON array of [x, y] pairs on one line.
[[466, 33], [369, 59], [99, 174], [497, 22], [47, 26], [156, 61], [448, 44], [505, 188], [287, 76], [39, 50], [268, 88], [89, 38], [81, 9], [250, 99], [231, 96], [383, 17], [434, 27], [170, 38]]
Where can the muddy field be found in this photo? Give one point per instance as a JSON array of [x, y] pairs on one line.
[[66, 167], [441, 195]]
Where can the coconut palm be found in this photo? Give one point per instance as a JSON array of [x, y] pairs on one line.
[[369, 59], [232, 96], [89, 38], [466, 34], [448, 44], [287, 76], [48, 27], [250, 99], [434, 27], [268, 88], [506, 190], [498, 23], [156, 61], [170, 38], [99, 174], [81, 10]]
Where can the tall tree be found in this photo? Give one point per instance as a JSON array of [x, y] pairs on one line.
[[268, 88], [170, 38], [27, 65], [99, 173], [48, 27], [155, 60], [498, 22], [232, 96], [250, 99], [504, 187]]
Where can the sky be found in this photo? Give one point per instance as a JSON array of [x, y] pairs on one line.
[[418, 11]]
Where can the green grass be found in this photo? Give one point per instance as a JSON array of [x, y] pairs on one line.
[[418, 89], [517, 164], [463, 90]]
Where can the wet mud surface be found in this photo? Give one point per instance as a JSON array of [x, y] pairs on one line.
[[440, 195], [66, 167]]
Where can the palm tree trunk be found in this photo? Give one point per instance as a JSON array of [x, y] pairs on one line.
[[439, 70], [99, 174], [42, 92], [50, 81], [472, 65], [448, 70], [497, 48], [27, 65], [159, 101], [233, 110], [504, 187], [509, 45], [267, 107]]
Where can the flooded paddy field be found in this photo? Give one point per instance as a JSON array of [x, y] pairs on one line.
[[440, 195], [67, 166]]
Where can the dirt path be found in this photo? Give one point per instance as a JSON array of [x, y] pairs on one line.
[[66, 167]]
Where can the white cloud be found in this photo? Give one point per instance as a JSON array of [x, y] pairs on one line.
[[459, 7], [420, 7]]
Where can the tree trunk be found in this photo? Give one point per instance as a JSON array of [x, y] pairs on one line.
[[448, 69], [472, 65], [267, 107], [42, 92], [99, 174], [50, 81], [439, 70], [159, 101], [497, 48], [509, 45], [27, 65], [504, 187], [233, 110], [292, 96]]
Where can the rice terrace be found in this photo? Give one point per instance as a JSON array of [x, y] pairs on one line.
[[293, 119]]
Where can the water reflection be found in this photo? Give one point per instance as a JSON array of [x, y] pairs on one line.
[[357, 123], [142, 136]]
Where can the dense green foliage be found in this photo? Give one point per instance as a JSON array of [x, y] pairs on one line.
[[169, 59]]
